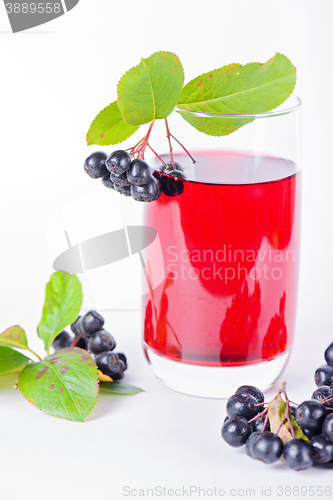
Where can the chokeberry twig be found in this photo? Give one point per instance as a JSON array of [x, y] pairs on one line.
[[158, 156], [180, 144], [76, 340], [170, 145]]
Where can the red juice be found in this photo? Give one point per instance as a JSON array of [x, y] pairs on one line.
[[230, 244]]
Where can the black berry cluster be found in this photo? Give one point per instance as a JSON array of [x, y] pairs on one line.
[[90, 335], [324, 374], [126, 176], [247, 423], [134, 177]]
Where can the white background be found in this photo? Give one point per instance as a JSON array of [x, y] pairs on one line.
[[54, 80]]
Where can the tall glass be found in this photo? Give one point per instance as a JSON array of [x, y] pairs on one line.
[[224, 314]]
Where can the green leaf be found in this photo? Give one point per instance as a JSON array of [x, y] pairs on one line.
[[299, 434], [119, 388], [11, 360], [63, 299], [236, 89], [64, 384], [150, 90], [14, 336], [276, 414], [109, 128]]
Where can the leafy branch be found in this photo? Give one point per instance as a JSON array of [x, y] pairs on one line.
[[65, 384], [154, 88]]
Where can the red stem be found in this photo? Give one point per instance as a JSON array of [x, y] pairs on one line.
[[180, 144], [144, 144], [158, 156], [170, 146], [259, 415], [76, 340]]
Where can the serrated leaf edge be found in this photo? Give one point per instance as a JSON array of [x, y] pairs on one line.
[[133, 67], [81, 420], [111, 143], [238, 93]]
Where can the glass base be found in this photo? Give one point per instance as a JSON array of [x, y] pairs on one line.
[[214, 382]]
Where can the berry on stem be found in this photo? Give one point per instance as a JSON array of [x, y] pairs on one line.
[[329, 355], [101, 341], [107, 182], [328, 427], [76, 327], [268, 447], [254, 391], [324, 375], [298, 454], [118, 162], [235, 431], [126, 190], [258, 424], [95, 165], [242, 405], [63, 340], [123, 359], [110, 364], [90, 323], [120, 179], [322, 449], [310, 415], [149, 192], [250, 442], [139, 173]]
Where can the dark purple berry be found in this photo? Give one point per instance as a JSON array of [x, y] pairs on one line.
[[169, 185], [91, 322], [258, 424], [125, 190], [311, 415], [110, 364], [63, 340], [120, 179], [254, 391], [118, 162], [310, 434], [101, 341], [328, 427], [149, 192], [76, 327], [82, 343], [107, 182], [95, 165], [249, 443], [323, 392], [268, 447], [322, 449], [235, 431], [123, 358], [329, 355], [324, 375], [298, 454], [139, 173], [242, 405]]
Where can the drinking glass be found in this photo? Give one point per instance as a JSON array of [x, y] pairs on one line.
[[224, 314]]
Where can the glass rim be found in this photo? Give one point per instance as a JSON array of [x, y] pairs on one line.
[[279, 111]]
